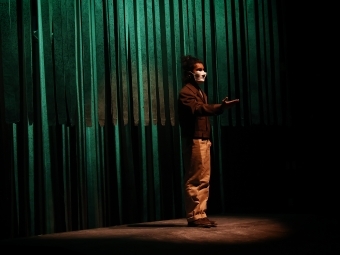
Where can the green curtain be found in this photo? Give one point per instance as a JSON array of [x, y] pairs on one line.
[[89, 127]]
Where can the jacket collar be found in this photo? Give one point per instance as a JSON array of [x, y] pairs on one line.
[[196, 89], [193, 88]]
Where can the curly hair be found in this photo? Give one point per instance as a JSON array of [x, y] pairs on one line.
[[188, 64]]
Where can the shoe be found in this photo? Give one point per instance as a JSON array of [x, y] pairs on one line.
[[211, 222], [200, 223]]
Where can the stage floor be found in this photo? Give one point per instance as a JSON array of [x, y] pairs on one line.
[[235, 234]]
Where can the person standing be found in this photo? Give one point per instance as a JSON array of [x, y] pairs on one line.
[[194, 112]]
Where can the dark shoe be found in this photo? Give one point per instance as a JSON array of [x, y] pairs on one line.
[[211, 222], [200, 223]]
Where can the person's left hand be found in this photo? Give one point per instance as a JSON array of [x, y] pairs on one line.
[[226, 104]]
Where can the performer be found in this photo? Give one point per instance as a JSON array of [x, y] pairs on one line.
[[194, 112]]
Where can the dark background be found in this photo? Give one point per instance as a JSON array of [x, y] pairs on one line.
[[311, 50], [255, 179]]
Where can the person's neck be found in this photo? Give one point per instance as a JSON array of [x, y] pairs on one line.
[[196, 85]]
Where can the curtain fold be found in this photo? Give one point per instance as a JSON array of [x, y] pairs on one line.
[[10, 60]]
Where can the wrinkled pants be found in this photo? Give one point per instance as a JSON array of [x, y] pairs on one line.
[[196, 159]]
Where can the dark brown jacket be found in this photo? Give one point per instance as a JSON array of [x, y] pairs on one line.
[[194, 112]]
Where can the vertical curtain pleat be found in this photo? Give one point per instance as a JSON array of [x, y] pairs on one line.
[[27, 58], [10, 60], [151, 176], [13, 194], [132, 48], [252, 61], [89, 96], [31, 180], [183, 16], [177, 51], [118, 183], [142, 84], [60, 84], [232, 93], [219, 70], [86, 60], [66, 176], [198, 29], [143, 81], [240, 75], [46, 34], [168, 63], [99, 59], [28, 161], [209, 55], [92, 175], [123, 58], [191, 32], [177, 177], [70, 71], [152, 69], [159, 61], [111, 37], [45, 140], [221, 64], [77, 193]]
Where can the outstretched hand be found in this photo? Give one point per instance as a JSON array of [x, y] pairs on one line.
[[226, 104]]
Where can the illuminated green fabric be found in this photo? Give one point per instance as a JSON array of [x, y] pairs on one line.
[[89, 92], [10, 60]]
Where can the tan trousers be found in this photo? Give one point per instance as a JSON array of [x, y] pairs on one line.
[[196, 159]]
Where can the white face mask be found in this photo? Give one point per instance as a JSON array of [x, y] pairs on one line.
[[199, 76]]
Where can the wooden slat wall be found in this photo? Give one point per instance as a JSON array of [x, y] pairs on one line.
[[89, 97]]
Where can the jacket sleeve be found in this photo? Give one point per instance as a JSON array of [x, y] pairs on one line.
[[196, 106]]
